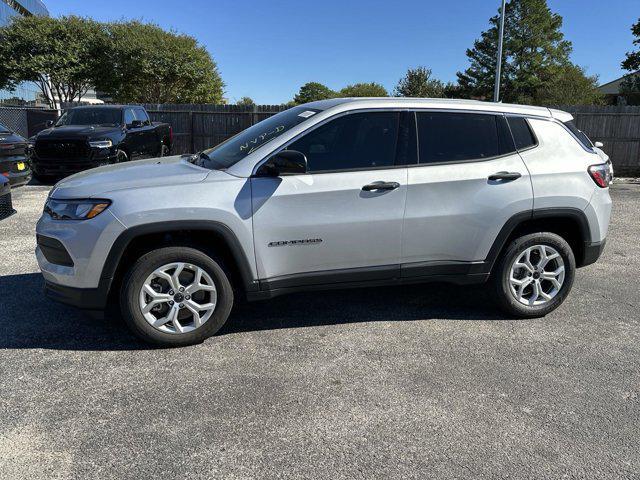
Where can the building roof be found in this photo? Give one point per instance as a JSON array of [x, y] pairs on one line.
[[613, 87]]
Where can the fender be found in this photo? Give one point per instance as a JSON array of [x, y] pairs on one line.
[[519, 218], [122, 242]]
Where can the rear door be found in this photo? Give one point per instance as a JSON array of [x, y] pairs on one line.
[[134, 134], [331, 225], [468, 181]]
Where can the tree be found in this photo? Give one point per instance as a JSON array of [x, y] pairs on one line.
[[151, 65], [631, 63], [313, 91], [246, 102], [363, 90], [418, 82], [63, 56], [569, 85], [534, 50]]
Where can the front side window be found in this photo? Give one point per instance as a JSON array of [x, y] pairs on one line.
[[582, 137], [454, 137], [353, 141], [129, 117]]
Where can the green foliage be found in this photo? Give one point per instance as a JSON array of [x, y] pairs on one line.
[[418, 82], [569, 85], [363, 90], [246, 102], [70, 50], [313, 91], [632, 63], [535, 51], [151, 65]]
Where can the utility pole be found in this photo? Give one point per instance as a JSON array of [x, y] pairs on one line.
[[496, 89]]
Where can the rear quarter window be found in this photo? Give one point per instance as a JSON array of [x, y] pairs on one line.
[[580, 135]]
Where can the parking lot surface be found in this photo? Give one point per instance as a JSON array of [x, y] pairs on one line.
[[408, 382]]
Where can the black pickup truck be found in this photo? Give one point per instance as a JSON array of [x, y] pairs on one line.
[[92, 136]]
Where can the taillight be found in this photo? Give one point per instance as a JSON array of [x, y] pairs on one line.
[[601, 174]]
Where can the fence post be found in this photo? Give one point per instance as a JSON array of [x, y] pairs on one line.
[[193, 140]]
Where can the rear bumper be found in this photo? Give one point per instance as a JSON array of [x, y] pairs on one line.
[[17, 179], [84, 298], [592, 252]]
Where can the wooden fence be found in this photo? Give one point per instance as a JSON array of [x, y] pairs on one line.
[[196, 127], [618, 128]]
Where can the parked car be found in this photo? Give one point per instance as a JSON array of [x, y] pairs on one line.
[[6, 208], [14, 164], [334, 194], [93, 136]]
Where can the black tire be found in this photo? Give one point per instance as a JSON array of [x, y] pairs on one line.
[[500, 275], [121, 156], [144, 266]]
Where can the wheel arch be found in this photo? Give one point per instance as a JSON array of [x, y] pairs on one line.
[[570, 223], [209, 236]]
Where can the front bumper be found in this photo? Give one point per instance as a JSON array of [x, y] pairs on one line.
[[84, 298], [64, 167]]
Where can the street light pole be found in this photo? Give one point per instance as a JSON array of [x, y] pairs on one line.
[[496, 89]]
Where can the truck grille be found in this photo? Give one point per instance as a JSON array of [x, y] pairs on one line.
[[6, 208], [62, 149]]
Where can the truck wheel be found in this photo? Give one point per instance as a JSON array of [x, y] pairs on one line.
[[121, 156], [164, 150], [534, 275], [176, 296]]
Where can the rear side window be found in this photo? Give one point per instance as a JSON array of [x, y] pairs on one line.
[[450, 137], [141, 115], [522, 134], [354, 141], [582, 137]]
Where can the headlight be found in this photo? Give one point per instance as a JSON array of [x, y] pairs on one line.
[[101, 143], [75, 209]]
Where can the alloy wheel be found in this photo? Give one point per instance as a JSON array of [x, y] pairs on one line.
[[178, 298], [536, 276]]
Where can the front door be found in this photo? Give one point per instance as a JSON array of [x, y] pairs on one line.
[[333, 224]]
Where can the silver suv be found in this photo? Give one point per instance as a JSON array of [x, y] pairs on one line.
[[337, 193]]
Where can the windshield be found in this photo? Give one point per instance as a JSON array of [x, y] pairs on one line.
[[238, 147], [91, 116], [584, 140]]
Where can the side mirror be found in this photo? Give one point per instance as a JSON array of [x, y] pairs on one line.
[[49, 123], [287, 162], [135, 124], [598, 144]]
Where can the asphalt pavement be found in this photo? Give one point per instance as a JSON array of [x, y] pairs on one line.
[[425, 381]]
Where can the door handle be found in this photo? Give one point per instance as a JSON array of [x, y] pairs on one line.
[[505, 176], [380, 186]]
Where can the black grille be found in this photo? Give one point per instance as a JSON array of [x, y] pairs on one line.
[[6, 208], [62, 149]]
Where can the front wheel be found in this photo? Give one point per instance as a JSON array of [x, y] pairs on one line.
[[534, 275], [176, 296]]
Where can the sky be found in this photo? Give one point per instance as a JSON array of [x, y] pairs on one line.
[[267, 49]]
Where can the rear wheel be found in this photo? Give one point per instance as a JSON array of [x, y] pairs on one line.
[[534, 275], [176, 296]]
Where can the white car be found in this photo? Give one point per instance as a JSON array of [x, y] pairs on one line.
[[337, 193]]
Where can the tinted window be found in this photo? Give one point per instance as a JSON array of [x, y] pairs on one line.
[[142, 116], [582, 137], [447, 137], [522, 134], [4, 129], [129, 117], [358, 140]]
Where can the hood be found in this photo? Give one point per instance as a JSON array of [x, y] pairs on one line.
[[66, 131], [138, 174]]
